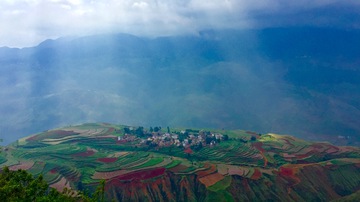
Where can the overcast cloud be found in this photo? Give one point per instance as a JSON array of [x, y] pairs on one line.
[[28, 22]]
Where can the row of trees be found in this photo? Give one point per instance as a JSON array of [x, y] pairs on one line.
[[141, 132]]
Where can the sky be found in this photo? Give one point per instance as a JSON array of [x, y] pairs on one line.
[[26, 23]]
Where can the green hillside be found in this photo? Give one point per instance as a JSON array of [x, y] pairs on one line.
[[179, 164]]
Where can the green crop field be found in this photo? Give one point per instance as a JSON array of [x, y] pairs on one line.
[[221, 185]]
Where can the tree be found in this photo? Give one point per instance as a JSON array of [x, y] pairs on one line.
[[127, 131], [140, 131], [182, 137], [80, 186], [22, 186], [208, 140], [197, 147], [156, 129], [200, 145], [100, 192]]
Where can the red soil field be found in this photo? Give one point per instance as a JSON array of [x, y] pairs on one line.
[[211, 179], [84, 154], [257, 174], [61, 184], [332, 149], [22, 166], [142, 175], [302, 156], [121, 141], [258, 146], [178, 168], [287, 171], [107, 160], [211, 169], [53, 171], [288, 142], [318, 145], [188, 151], [109, 175], [290, 173]]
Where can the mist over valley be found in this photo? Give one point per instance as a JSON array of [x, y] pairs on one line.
[[302, 81]]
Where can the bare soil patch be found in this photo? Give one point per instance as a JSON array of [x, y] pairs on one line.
[[211, 179]]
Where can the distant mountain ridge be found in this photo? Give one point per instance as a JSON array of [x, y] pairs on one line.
[[300, 80]]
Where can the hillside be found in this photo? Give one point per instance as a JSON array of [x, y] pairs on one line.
[[178, 164]]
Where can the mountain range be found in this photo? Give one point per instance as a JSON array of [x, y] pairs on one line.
[[302, 81]]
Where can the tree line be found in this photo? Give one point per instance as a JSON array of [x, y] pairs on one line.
[[21, 186]]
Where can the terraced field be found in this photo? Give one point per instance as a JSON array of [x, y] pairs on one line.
[[254, 165]]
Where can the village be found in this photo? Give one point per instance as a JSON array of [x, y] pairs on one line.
[[184, 138]]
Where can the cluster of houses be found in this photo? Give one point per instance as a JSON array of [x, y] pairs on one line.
[[185, 138]]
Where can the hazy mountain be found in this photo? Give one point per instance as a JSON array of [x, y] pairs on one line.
[[301, 81]]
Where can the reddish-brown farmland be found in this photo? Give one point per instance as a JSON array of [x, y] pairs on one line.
[[61, 184], [142, 175], [22, 166], [256, 175], [258, 146], [87, 153], [53, 171], [211, 168], [238, 171], [109, 175], [107, 160], [211, 179], [188, 151], [178, 168], [286, 171]]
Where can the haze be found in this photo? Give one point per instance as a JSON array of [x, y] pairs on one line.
[[266, 66], [26, 23]]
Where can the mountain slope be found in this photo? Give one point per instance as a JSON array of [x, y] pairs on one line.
[[158, 164], [275, 80]]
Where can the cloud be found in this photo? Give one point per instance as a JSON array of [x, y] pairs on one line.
[[140, 5], [28, 22]]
